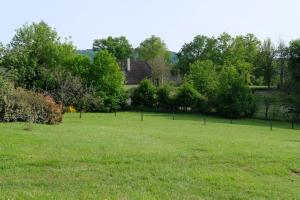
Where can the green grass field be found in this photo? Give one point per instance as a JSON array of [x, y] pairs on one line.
[[107, 157]]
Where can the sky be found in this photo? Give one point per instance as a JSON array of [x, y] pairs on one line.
[[175, 21]]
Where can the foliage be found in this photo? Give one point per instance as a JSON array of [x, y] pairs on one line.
[[267, 61], [240, 51], [160, 69], [293, 89], [153, 47], [165, 97], [71, 109], [201, 48], [144, 94], [22, 105], [203, 77], [107, 78], [34, 53], [118, 47], [282, 62], [156, 53], [188, 97], [234, 97]]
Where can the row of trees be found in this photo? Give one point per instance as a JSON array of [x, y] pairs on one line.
[[248, 61], [259, 62], [220, 69], [232, 98]]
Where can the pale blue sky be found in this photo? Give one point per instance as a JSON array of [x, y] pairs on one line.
[[175, 21]]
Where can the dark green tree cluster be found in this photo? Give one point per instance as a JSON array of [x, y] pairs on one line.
[[292, 89], [167, 97]]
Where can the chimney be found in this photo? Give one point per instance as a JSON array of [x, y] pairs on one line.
[[128, 64]]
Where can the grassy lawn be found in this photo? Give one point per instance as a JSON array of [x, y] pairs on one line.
[[107, 157]]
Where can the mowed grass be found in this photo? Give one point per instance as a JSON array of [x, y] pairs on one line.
[[107, 157]]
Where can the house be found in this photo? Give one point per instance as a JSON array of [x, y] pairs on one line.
[[135, 71]]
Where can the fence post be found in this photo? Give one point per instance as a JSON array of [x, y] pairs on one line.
[[142, 115], [173, 113]]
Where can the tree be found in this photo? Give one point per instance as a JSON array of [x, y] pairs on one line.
[[201, 48], [2, 49], [144, 94], [240, 51], [266, 61], [161, 69], [188, 97], [234, 97], [203, 77], [152, 47], [292, 97], [34, 52], [164, 97], [118, 47], [106, 77], [282, 61], [79, 65], [156, 53]]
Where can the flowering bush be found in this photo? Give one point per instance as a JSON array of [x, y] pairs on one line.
[[22, 105], [71, 109]]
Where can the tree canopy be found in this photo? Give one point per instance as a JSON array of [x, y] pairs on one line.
[[118, 47]]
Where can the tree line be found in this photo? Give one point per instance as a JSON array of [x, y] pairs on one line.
[[216, 72]]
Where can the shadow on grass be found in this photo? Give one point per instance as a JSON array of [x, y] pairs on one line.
[[214, 119]]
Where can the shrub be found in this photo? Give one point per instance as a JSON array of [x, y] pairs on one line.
[[71, 109], [22, 105], [188, 97], [234, 97], [144, 95], [164, 97]]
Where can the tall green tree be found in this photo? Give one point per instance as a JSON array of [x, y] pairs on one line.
[[293, 90], [107, 77], [234, 97], [282, 61], [156, 53], [118, 46], [153, 47], [267, 61], [201, 48], [34, 53], [144, 95], [203, 77], [2, 49]]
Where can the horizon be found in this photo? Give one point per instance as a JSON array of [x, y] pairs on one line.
[[176, 22]]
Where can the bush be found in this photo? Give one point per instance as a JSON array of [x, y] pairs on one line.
[[22, 105], [234, 97], [164, 97], [144, 95], [71, 109], [188, 97]]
